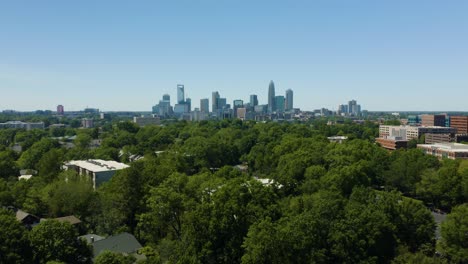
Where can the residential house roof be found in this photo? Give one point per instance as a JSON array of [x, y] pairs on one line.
[[122, 243]]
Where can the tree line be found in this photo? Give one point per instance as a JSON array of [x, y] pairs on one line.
[[188, 201]]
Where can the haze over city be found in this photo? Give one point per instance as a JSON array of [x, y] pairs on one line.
[[393, 55]]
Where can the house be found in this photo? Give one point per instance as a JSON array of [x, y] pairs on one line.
[[28, 220], [123, 243]]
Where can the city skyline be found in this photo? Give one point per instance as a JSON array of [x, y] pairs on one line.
[[390, 56]]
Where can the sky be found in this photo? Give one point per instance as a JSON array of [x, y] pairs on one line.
[[116, 55]]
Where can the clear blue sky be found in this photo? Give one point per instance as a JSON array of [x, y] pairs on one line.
[[124, 55]]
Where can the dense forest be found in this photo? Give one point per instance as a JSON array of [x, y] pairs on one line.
[[196, 197]]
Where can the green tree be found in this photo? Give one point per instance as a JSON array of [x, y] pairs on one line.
[[31, 157], [55, 241], [50, 164], [8, 166], [454, 242], [14, 245], [70, 194], [108, 257]]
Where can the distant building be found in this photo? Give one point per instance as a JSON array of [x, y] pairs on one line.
[[241, 113], [87, 122], [22, 125], [271, 97], [433, 120], [204, 105], [180, 94], [412, 132], [288, 106], [261, 109], [279, 104], [104, 116], [99, 171], [253, 100], [337, 139], [146, 121], [60, 110], [198, 115], [446, 150], [91, 111], [431, 138], [164, 108], [392, 143], [236, 105], [414, 120], [214, 101], [180, 109], [460, 123]]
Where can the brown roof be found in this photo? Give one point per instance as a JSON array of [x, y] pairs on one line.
[[70, 219]]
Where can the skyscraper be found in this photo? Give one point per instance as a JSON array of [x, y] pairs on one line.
[[204, 105], [271, 97], [289, 100], [188, 102], [214, 101], [180, 94], [253, 100], [279, 103], [166, 98], [237, 104], [352, 109]]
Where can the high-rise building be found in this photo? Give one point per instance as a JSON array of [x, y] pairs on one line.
[[271, 97], [221, 103], [352, 109], [164, 108], [289, 100], [279, 104], [237, 104], [253, 100], [180, 94], [214, 101], [188, 102], [204, 105], [60, 110]]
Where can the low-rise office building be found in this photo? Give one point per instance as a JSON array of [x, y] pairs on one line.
[[99, 171], [146, 121], [446, 150], [392, 143], [22, 125], [412, 132]]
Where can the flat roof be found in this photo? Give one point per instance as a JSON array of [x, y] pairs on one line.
[[97, 165], [447, 146]]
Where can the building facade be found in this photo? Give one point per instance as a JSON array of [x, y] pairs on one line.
[[445, 150], [98, 171], [433, 120], [460, 123]]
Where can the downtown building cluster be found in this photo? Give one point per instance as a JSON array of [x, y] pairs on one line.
[[277, 107], [440, 135]]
